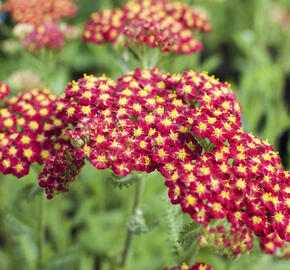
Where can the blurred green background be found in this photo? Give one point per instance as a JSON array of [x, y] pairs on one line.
[[86, 228]]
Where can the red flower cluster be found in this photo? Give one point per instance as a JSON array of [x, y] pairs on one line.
[[44, 35], [187, 126], [104, 26], [28, 131], [162, 23], [234, 242], [241, 180], [156, 35], [185, 266], [65, 166], [40, 11], [4, 90]]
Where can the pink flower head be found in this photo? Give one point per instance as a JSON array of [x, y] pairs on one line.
[[28, 131], [44, 35], [163, 24], [40, 11], [187, 126], [156, 35]]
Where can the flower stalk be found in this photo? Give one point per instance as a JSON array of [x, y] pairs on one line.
[[41, 236], [138, 191], [192, 252]]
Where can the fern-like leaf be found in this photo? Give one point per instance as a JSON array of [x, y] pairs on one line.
[[189, 233], [171, 212]]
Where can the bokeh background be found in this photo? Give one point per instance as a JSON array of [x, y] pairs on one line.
[[85, 229]]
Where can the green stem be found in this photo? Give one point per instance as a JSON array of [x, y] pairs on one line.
[[261, 11], [128, 242], [41, 236], [140, 52], [276, 122], [190, 255], [49, 60], [283, 63], [145, 63], [147, 57], [229, 264]]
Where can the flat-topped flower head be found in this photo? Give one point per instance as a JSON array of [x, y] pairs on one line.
[[155, 23], [60, 169], [187, 126], [44, 35], [40, 11], [156, 33], [28, 130], [131, 124], [183, 13], [38, 22], [243, 181]]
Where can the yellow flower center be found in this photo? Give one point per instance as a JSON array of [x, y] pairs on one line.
[[279, 217], [86, 109], [190, 200]]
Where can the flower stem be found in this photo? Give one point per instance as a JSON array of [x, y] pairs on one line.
[[41, 236], [283, 63], [194, 249], [228, 265], [137, 198]]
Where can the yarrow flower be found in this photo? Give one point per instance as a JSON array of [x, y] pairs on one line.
[[38, 22], [242, 181], [40, 11], [44, 35], [196, 266], [187, 126], [163, 23], [65, 166], [49, 35], [156, 35], [29, 131]]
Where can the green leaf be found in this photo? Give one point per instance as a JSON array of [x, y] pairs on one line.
[[189, 233], [137, 223], [63, 260], [170, 217], [211, 63], [31, 191]]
